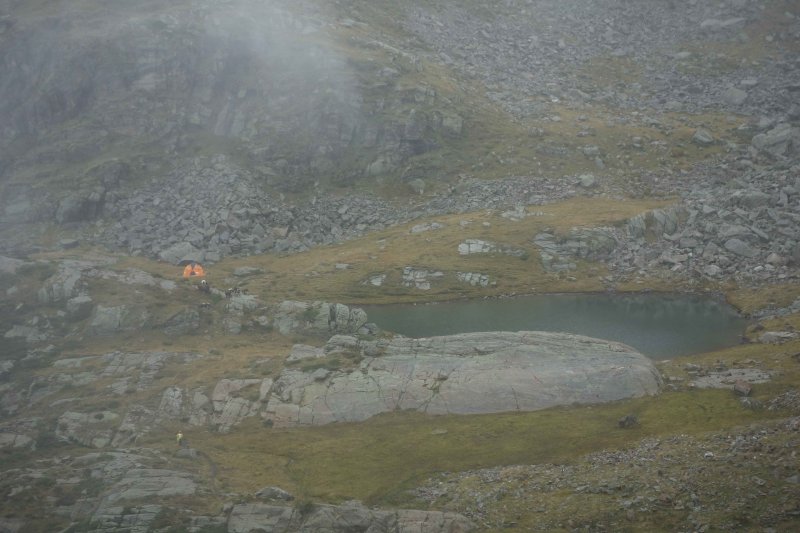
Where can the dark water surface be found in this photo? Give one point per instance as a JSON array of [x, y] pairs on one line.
[[660, 326]]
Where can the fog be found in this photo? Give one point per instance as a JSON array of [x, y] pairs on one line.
[[256, 72]]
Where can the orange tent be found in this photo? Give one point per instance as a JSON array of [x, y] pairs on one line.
[[194, 270]]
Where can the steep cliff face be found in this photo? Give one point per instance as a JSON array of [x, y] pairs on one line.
[[267, 82]]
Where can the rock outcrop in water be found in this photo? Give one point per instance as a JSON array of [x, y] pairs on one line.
[[461, 374]]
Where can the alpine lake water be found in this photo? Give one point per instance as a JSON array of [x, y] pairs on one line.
[[660, 326]]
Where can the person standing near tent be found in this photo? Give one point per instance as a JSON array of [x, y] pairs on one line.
[[193, 269], [204, 286]]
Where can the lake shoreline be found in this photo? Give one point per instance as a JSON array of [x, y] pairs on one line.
[[660, 325]]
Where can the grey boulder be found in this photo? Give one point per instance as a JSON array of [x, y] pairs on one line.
[[469, 373]]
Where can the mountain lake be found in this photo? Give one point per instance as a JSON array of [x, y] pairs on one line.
[[659, 325]]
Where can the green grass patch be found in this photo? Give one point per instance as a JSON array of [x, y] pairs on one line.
[[312, 275], [750, 299], [378, 460]]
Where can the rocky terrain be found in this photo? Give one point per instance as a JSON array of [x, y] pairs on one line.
[[314, 155], [642, 487], [736, 218], [460, 374]]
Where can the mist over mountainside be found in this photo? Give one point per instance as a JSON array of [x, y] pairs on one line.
[[146, 73], [106, 100], [318, 155], [100, 97]]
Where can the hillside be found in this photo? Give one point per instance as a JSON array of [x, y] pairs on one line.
[[319, 156]]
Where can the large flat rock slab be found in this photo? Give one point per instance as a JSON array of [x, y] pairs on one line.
[[469, 373]]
